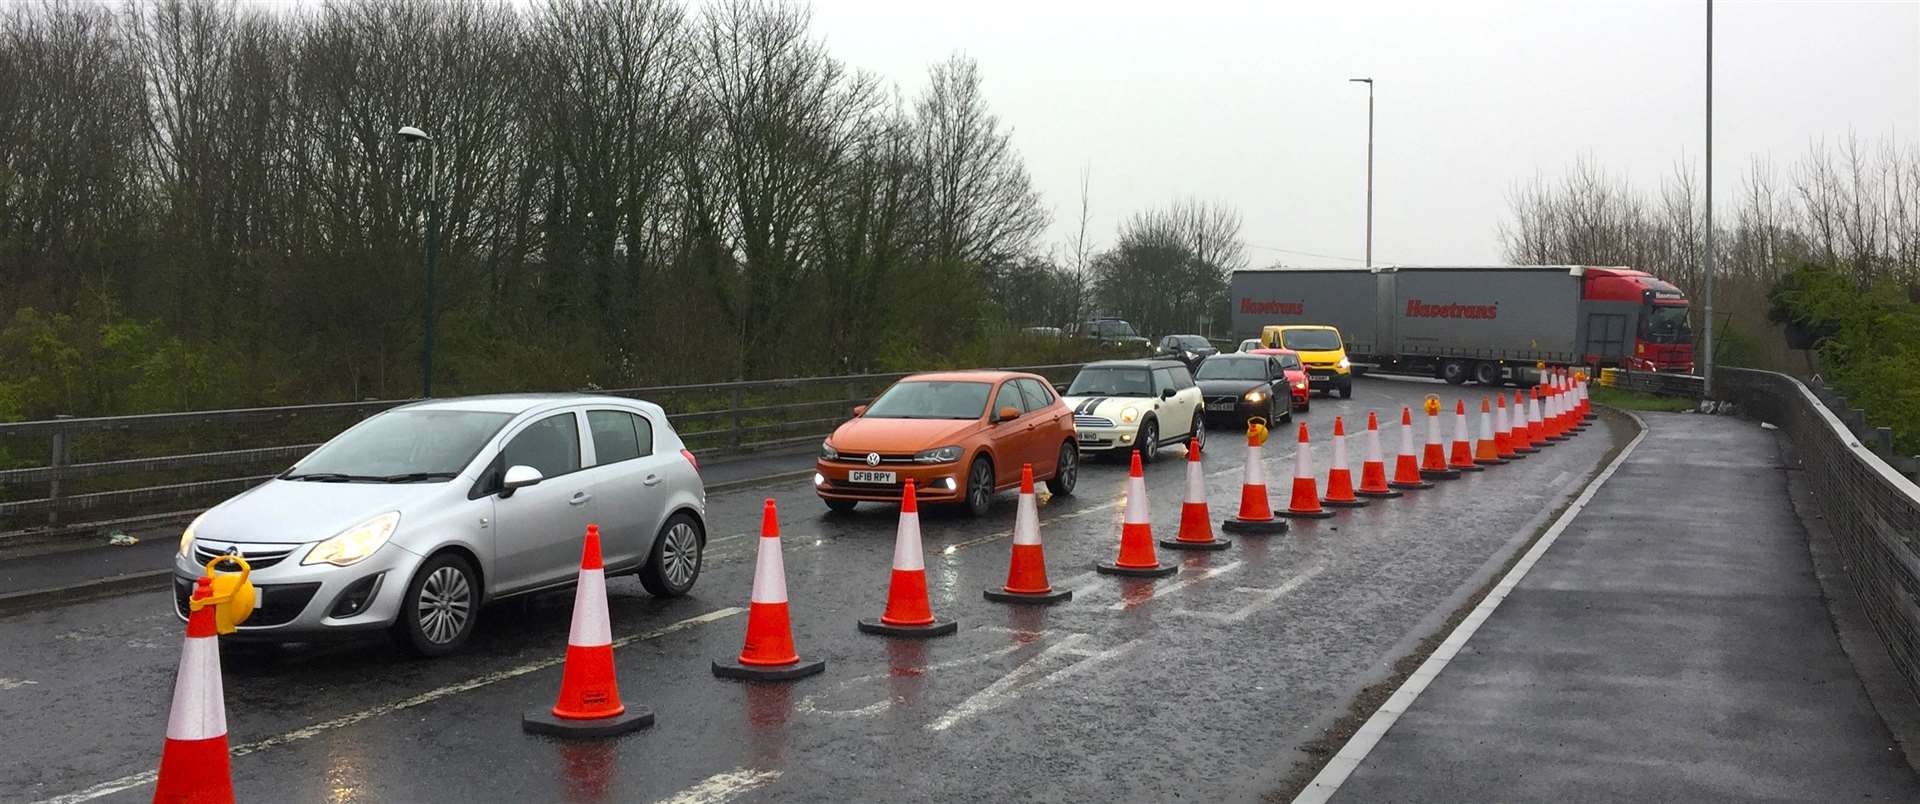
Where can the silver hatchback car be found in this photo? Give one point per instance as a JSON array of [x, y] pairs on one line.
[[412, 520]]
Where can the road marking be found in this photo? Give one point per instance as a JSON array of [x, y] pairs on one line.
[[809, 706], [1003, 691], [1342, 764], [1263, 601], [1162, 591], [129, 782], [722, 787], [14, 683]]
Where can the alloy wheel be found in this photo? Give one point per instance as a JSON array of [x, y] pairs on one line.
[[446, 601]]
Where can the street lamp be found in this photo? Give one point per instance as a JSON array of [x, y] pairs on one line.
[[410, 135], [1369, 83]]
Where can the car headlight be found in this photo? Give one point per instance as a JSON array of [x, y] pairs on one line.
[[827, 452], [1127, 415], [940, 455], [186, 536], [1299, 383], [1345, 363], [355, 543], [1256, 396]]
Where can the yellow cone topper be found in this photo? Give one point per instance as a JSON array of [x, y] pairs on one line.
[[1256, 431], [233, 596], [1432, 405]]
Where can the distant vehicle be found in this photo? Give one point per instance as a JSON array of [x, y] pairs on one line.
[[1121, 405], [1188, 349], [1297, 380], [1490, 324], [412, 520], [1239, 388], [1248, 345], [1112, 332], [959, 436], [1321, 349], [1043, 332]]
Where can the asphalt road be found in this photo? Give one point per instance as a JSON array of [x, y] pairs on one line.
[[1194, 687]]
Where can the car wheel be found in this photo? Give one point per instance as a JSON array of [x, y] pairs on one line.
[[675, 562], [1288, 418], [1486, 374], [839, 506], [1199, 430], [1346, 390], [980, 487], [441, 607], [1147, 441], [1066, 472], [1455, 372]]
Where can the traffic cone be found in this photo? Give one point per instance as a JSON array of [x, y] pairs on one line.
[[1486, 451], [1553, 413], [1503, 430], [1406, 467], [909, 613], [1136, 534], [1586, 399], [589, 704], [1027, 571], [1433, 462], [1462, 453], [1536, 426], [1196, 524], [194, 761], [1339, 477], [1256, 511], [1373, 469], [768, 654], [1306, 491], [1522, 435]]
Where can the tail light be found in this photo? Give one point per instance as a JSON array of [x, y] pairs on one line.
[[688, 454]]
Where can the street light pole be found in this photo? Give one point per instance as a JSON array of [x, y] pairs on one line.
[[411, 134], [1706, 376], [1369, 83]]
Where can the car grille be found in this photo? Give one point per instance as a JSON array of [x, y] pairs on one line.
[[1219, 399], [258, 557], [1092, 421], [284, 601], [860, 458]]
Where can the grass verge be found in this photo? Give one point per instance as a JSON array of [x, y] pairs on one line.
[[1634, 400]]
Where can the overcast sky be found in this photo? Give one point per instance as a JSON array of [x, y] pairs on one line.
[[1248, 102]]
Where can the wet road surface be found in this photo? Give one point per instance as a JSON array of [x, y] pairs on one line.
[[1196, 686]]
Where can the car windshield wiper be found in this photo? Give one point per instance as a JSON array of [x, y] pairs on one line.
[[332, 477], [415, 477]]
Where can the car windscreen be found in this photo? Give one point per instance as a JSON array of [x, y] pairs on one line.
[[1310, 340], [1249, 344], [1111, 381], [402, 446], [1667, 324], [1232, 368], [932, 399], [1115, 329], [1191, 342]]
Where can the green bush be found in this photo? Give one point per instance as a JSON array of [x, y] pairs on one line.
[[1868, 340]]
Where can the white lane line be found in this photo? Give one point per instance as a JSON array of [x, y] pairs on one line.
[[983, 702], [1263, 600], [1001, 690], [722, 787], [1355, 751], [15, 683], [810, 705], [129, 782], [1184, 582]]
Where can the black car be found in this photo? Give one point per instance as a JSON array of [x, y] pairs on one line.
[[1239, 387], [1188, 349]]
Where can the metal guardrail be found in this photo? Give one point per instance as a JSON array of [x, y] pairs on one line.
[[220, 452], [1873, 511], [1662, 383]]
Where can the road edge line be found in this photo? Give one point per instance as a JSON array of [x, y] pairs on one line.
[[1326, 783]]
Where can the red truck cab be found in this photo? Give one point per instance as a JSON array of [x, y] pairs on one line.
[[1661, 336]]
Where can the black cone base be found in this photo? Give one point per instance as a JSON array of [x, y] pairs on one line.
[[1211, 544], [1254, 527], [1489, 462], [1039, 599], [1526, 450], [1320, 514], [1395, 484], [940, 626], [1468, 468], [1155, 571], [732, 668], [1346, 503], [1440, 474], [1380, 495], [545, 722]]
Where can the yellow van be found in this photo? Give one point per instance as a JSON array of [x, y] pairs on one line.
[[1321, 349]]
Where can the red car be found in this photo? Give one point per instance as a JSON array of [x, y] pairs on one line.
[[1296, 373]]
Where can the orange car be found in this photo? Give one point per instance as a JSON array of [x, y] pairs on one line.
[[959, 435]]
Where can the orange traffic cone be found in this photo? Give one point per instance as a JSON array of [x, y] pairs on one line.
[[1503, 430], [1522, 435], [1339, 477], [1461, 457], [909, 613], [1196, 524], [1306, 491], [1586, 399], [589, 704], [1485, 451], [1136, 534], [1373, 469], [1536, 426], [768, 654], [1027, 571], [1406, 467], [1553, 412], [193, 763], [1256, 511], [1433, 462]]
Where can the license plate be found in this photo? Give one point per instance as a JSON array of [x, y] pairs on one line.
[[1220, 406], [1090, 437], [869, 476]]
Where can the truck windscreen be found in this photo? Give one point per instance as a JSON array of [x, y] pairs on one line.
[[1666, 323]]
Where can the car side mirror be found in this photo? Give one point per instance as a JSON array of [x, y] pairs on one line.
[[519, 477], [1007, 415], [1166, 393], [859, 410]]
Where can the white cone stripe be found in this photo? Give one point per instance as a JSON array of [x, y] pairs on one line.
[[1373, 446], [1136, 502], [1340, 452], [199, 711], [1026, 521], [1500, 420], [590, 626], [1406, 439], [1303, 461], [1486, 426], [769, 573], [1196, 483], [1459, 426], [906, 544], [1433, 428], [1256, 473]]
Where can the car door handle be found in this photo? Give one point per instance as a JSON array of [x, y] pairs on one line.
[[580, 499], [652, 480]]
